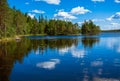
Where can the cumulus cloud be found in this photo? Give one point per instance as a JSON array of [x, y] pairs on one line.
[[55, 2], [117, 1], [79, 10], [115, 16], [31, 15], [71, 14], [38, 11], [98, 0], [64, 15], [98, 20], [49, 64]]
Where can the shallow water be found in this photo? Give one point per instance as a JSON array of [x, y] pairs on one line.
[[61, 58]]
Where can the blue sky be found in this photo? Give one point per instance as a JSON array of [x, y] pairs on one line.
[[105, 13]]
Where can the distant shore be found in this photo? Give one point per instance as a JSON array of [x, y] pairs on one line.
[[110, 30]]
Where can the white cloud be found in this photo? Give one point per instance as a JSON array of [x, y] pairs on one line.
[[117, 1], [98, 20], [98, 0], [115, 16], [55, 2], [79, 10], [71, 14], [49, 64], [64, 15], [31, 15], [38, 11], [109, 19], [27, 3], [80, 23], [115, 24]]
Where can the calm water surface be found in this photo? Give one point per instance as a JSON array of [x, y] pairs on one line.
[[61, 58]]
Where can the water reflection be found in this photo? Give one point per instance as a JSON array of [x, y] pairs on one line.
[[49, 64], [89, 41], [112, 43], [76, 53], [104, 79], [75, 59], [96, 63], [12, 52]]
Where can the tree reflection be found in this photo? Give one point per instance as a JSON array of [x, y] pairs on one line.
[[13, 51], [10, 52], [89, 42]]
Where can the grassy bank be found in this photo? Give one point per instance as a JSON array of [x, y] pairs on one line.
[[18, 37], [6, 39]]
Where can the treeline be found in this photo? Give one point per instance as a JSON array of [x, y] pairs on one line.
[[14, 22], [89, 28], [117, 30]]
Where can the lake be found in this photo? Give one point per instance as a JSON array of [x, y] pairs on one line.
[[61, 58]]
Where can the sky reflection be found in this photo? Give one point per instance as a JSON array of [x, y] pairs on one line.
[[87, 59], [50, 65]]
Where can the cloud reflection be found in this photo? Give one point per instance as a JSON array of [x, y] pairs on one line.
[[96, 63], [50, 65], [63, 51], [78, 53], [118, 49], [112, 43], [104, 79], [75, 52]]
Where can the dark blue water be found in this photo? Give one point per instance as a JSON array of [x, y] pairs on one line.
[[67, 58]]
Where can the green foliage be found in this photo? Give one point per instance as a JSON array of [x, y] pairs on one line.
[[89, 28], [14, 22]]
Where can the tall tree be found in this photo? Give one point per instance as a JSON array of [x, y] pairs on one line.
[[3, 17]]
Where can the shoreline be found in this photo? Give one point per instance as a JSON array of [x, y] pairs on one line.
[[18, 37]]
